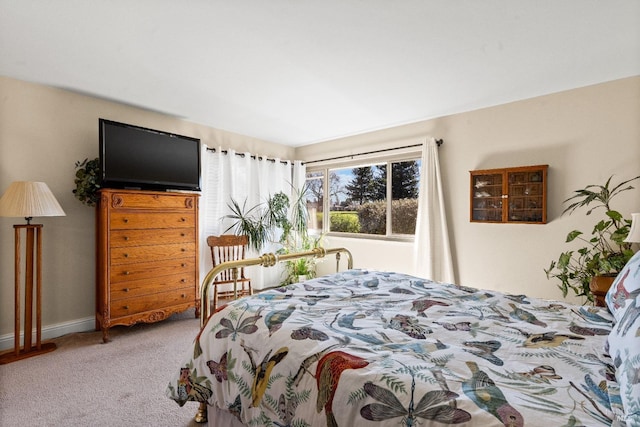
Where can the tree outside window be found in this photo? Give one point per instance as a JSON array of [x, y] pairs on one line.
[[405, 186], [315, 200], [365, 200]]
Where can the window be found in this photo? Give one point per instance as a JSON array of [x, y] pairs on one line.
[[315, 201], [365, 199]]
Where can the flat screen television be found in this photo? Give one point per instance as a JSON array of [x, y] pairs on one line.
[[140, 158]]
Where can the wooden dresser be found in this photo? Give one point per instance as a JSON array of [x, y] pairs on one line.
[[147, 256]]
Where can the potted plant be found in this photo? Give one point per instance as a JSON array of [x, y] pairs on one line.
[[605, 252], [261, 223], [300, 270], [303, 268], [87, 180]]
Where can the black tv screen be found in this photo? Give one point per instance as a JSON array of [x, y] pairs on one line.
[[136, 157]]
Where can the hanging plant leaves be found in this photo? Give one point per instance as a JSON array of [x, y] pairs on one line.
[[87, 180]]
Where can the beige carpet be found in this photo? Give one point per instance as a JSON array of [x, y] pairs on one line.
[[87, 383]]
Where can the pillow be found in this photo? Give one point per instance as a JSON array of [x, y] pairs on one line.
[[623, 301], [625, 287], [624, 348]]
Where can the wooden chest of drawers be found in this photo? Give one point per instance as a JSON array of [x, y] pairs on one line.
[[147, 256]]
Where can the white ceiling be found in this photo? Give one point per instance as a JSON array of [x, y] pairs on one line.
[[300, 71]]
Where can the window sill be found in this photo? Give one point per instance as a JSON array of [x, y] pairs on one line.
[[393, 238]]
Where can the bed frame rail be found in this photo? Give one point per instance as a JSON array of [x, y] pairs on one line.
[[266, 260]]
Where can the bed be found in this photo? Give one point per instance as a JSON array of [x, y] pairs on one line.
[[373, 348]]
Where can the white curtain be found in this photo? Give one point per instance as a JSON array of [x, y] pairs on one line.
[[432, 251], [241, 177]]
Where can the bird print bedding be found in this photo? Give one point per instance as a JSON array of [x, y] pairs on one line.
[[367, 348]]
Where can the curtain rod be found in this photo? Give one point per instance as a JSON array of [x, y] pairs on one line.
[[253, 156], [439, 142]]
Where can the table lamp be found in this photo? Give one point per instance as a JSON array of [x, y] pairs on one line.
[[634, 232], [28, 200]]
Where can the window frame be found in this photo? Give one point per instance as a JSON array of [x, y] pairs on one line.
[[325, 168]]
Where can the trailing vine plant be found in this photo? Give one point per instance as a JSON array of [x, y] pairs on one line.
[[87, 180]]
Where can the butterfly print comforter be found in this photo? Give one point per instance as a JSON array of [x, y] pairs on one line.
[[365, 348]]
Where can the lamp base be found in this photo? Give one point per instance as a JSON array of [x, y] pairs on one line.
[[11, 356]]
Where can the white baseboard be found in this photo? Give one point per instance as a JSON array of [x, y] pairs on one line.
[[53, 331]]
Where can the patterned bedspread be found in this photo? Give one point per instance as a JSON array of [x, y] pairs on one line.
[[364, 348]]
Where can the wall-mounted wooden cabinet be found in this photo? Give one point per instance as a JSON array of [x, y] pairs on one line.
[[516, 195]]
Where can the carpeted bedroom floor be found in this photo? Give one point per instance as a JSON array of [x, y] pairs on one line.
[[87, 383]]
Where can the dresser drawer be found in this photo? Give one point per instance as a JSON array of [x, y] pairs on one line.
[[154, 285], [128, 306], [146, 270], [151, 200], [126, 238], [128, 255], [146, 220]]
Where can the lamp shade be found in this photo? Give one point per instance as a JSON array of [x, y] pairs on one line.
[[634, 233], [29, 199]]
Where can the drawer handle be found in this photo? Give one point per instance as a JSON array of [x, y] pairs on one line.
[[126, 289], [126, 255], [126, 307], [182, 234], [126, 220], [126, 273], [183, 265], [183, 249], [126, 238], [183, 219], [183, 295], [183, 280]]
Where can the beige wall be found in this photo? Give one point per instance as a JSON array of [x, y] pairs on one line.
[[584, 135], [43, 132]]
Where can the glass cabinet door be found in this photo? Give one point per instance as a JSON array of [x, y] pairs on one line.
[[486, 196], [525, 196]]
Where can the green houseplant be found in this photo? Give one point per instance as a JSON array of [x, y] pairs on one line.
[[262, 221], [87, 180], [259, 222], [605, 251], [303, 268]]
